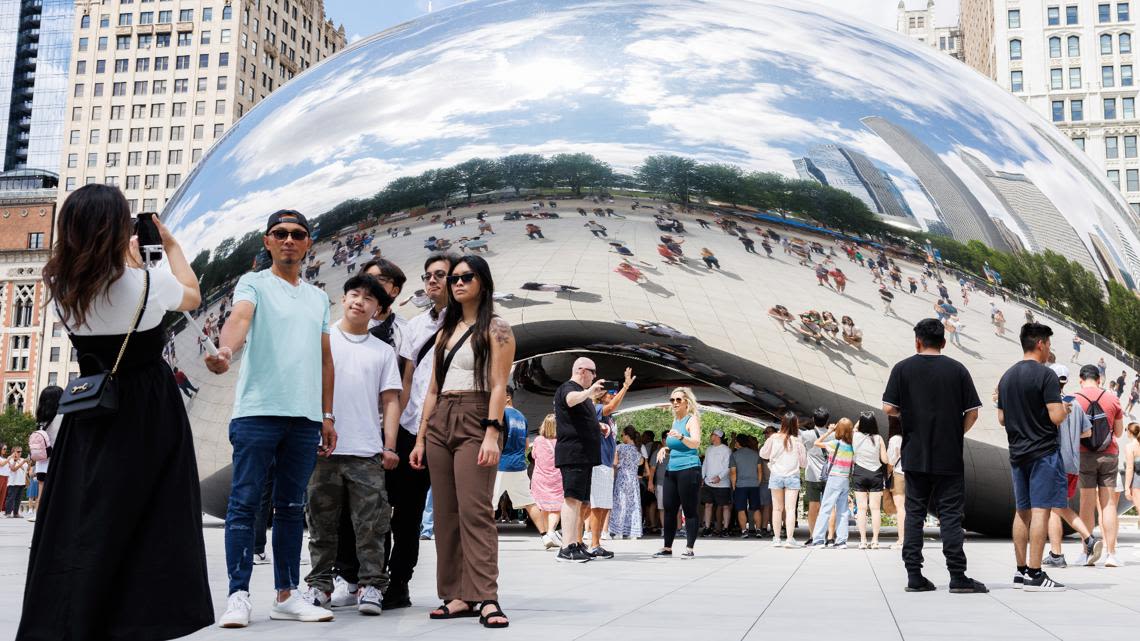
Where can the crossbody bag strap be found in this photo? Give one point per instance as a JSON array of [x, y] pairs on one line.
[[138, 319], [441, 375]]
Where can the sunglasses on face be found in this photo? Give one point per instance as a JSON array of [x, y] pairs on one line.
[[466, 278], [590, 370], [438, 274], [296, 234], [676, 400]]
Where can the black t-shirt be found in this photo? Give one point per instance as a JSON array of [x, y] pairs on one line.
[[579, 437], [932, 393], [1024, 392]]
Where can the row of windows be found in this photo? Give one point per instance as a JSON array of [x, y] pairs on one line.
[[1127, 109], [140, 87], [134, 158], [164, 17], [161, 63], [153, 134], [159, 40], [150, 181], [1131, 178], [157, 110], [1112, 147], [1073, 46], [1072, 14]]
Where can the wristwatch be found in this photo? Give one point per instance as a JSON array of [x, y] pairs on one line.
[[329, 417]]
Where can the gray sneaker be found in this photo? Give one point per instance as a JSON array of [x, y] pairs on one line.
[[1054, 561], [1094, 547]]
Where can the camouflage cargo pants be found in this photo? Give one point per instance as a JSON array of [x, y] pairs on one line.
[[361, 480]]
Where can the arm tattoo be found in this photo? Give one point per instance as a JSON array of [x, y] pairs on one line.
[[501, 331]]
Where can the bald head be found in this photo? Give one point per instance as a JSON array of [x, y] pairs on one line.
[[584, 371]]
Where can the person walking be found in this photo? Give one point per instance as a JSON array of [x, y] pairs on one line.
[[100, 544], [837, 441], [511, 478], [282, 413], [867, 477], [1030, 408], [1099, 459], [184, 384], [625, 521], [683, 475], [366, 398], [577, 451], [746, 471], [460, 438], [785, 454], [546, 481], [934, 397]]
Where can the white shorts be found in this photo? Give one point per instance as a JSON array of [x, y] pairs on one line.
[[517, 487], [602, 487]]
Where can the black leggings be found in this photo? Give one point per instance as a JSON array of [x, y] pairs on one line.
[[682, 490]]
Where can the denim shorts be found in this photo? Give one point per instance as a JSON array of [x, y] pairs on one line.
[[1040, 483], [789, 482]]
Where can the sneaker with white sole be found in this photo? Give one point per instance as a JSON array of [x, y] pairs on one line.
[[776, 542], [261, 559], [548, 542], [238, 609], [369, 601], [1110, 561], [343, 594], [296, 608], [793, 544], [1042, 583], [317, 597], [1093, 548], [1019, 580]]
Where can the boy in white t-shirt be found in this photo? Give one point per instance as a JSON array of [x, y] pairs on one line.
[[17, 481], [366, 402]]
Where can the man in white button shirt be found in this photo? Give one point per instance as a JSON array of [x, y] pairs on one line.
[[408, 487]]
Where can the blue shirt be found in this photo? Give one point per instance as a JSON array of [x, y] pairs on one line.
[[513, 458], [281, 365], [609, 443], [681, 456]]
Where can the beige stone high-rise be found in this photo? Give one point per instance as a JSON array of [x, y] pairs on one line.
[[154, 83]]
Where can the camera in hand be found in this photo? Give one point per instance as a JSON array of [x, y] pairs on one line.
[[612, 386], [150, 242]]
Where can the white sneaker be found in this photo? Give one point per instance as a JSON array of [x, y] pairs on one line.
[[1082, 559], [369, 601], [316, 597], [262, 559], [343, 594], [792, 543], [776, 543], [548, 542], [556, 536], [238, 609], [606, 536], [1111, 562], [296, 608]]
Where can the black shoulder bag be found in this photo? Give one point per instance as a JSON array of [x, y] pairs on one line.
[[97, 395]]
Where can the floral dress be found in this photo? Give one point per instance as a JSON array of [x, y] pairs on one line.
[[625, 520]]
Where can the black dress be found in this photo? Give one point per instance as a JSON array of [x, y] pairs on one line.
[[117, 551]]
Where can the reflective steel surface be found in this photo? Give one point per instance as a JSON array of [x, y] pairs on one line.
[[589, 104]]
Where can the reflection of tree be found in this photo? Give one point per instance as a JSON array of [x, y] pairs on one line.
[[521, 170], [577, 171], [478, 175]]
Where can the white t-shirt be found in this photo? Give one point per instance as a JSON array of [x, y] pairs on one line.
[[867, 451], [18, 476], [716, 464], [4, 472], [894, 452], [419, 330], [363, 372], [113, 314]]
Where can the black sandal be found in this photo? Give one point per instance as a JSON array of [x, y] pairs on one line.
[[485, 619], [461, 614]]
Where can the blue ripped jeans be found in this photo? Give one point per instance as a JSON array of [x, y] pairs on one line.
[[287, 448]]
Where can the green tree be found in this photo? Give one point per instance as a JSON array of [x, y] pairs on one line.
[[16, 427], [721, 182], [521, 170], [477, 175], [674, 176], [200, 262], [1123, 317], [577, 171]]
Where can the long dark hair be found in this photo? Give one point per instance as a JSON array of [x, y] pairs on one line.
[[480, 342], [790, 428], [867, 424], [90, 250], [48, 405]]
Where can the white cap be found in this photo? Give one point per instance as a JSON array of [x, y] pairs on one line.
[[1061, 371]]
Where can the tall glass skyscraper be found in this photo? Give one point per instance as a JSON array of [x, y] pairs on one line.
[[35, 53]]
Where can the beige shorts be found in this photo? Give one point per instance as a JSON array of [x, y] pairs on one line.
[[517, 487]]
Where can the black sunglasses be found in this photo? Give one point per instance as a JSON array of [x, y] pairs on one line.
[[467, 278], [676, 400], [296, 234], [438, 274]]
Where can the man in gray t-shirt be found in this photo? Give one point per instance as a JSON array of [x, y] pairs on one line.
[[816, 457], [744, 474]]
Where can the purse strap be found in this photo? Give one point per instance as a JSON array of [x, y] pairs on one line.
[[138, 319], [442, 374]]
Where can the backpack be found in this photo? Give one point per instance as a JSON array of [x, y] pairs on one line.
[[1101, 428], [38, 446]]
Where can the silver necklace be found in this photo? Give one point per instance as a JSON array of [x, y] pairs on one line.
[[351, 340]]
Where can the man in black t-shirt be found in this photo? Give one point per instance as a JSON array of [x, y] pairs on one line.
[[577, 451], [936, 402], [1030, 408]]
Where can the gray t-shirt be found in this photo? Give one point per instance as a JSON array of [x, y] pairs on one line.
[[744, 461], [816, 456]]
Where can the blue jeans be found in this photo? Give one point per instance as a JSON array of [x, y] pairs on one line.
[[834, 498], [287, 448], [427, 524]]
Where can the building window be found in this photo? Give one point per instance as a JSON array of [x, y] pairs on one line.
[[1128, 108], [36, 240], [1107, 76], [172, 180], [1122, 13], [1080, 143], [177, 134], [54, 355], [1074, 77], [1016, 82], [1109, 109], [1132, 176], [186, 15], [24, 303], [1053, 16], [219, 107], [1114, 177], [174, 157], [203, 60], [219, 128], [16, 390], [101, 44], [182, 62], [125, 19], [185, 38], [72, 161], [1105, 44], [207, 14], [227, 12], [1071, 16], [85, 22], [1111, 147], [162, 63], [1077, 110], [1130, 146], [146, 17], [223, 59], [1074, 46], [1125, 75], [1015, 49], [1014, 18], [1055, 47], [1104, 13], [1125, 43], [162, 41], [164, 17], [151, 181]]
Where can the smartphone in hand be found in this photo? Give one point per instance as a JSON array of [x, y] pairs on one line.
[[150, 243]]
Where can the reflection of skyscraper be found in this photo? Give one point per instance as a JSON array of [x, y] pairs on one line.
[[829, 165], [938, 228], [854, 173], [1044, 226], [807, 170], [1113, 262], [959, 208], [888, 199]]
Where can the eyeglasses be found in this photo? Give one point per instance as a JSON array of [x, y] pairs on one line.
[[295, 234], [676, 400], [467, 278], [438, 274], [590, 370]]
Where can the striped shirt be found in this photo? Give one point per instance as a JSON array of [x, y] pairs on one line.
[[844, 457]]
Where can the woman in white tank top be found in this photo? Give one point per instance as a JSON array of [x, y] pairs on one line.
[[867, 477]]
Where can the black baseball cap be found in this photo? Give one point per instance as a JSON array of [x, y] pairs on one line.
[[287, 216]]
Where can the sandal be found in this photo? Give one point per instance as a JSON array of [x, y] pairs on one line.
[[485, 619], [461, 614]]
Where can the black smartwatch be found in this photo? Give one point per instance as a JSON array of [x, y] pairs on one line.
[[491, 422]]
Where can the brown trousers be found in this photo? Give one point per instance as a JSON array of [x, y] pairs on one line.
[[466, 541]]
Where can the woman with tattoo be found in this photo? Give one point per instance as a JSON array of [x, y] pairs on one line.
[[460, 438]]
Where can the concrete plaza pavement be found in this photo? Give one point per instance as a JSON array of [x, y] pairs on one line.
[[739, 590]]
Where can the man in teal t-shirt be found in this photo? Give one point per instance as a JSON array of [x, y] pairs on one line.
[[282, 412]]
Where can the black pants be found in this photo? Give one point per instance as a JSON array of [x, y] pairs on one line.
[[682, 490], [943, 496], [407, 492], [13, 499]]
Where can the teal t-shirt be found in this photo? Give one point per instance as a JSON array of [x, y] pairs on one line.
[[281, 367], [681, 456]]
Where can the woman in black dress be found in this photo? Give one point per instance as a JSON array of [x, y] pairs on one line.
[[117, 551]]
